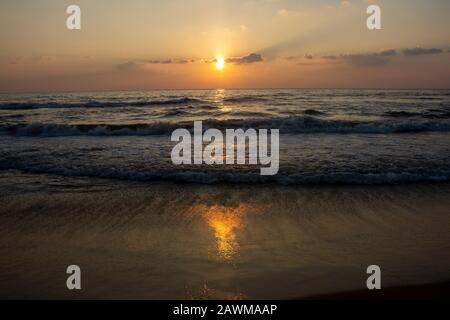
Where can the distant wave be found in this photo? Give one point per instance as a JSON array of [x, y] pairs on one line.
[[313, 112], [214, 177], [401, 114], [293, 125], [175, 113], [62, 130], [97, 104], [245, 99], [249, 114], [430, 114]]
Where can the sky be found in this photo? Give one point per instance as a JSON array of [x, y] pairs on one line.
[[169, 44]]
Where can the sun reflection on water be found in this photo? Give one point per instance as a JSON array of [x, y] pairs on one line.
[[225, 221], [219, 97]]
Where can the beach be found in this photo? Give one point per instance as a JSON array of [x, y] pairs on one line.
[[87, 179], [163, 240], [270, 152]]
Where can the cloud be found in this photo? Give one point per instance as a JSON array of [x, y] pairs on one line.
[[43, 58], [243, 27], [421, 51], [379, 58], [16, 60], [251, 58], [365, 59], [291, 12], [142, 65], [283, 12], [129, 66], [169, 61], [388, 53], [306, 56]]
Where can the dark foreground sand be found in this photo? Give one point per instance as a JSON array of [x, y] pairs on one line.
[[432, 291], [185, 241]]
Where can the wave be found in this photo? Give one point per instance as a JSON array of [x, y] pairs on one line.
[[287, 125], [437, 115], [245, 99], [401, 114], [63, 130], [175, 113], [97, 104], [313, 112], [249, 114], [214, 177], [434, 114]]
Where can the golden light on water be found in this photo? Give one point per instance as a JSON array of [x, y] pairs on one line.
[[225, 222], [219, 97]]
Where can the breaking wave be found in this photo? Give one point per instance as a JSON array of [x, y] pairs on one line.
[[214, 177], [245, 99], [287, 125], [97, 104]]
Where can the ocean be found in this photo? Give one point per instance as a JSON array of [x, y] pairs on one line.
[[87, 179], [327, 136]]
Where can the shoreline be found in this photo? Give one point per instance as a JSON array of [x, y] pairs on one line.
[[264, 184], [189, 241], [427, 291]]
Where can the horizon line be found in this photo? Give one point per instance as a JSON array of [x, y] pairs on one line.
[[211, 89]]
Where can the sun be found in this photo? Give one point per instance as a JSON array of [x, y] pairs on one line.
[[220, 63]]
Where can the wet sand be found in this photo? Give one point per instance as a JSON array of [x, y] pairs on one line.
[[432, 291], [187, 241]]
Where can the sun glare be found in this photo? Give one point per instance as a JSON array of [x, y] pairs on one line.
[[220, 63]]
